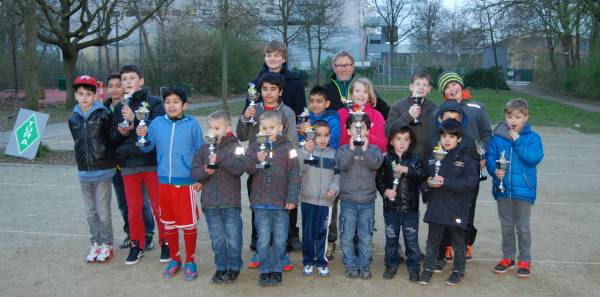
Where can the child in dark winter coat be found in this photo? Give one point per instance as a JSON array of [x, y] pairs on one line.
[[398, 181], [452, 178]]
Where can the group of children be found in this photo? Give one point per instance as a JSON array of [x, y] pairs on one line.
[[349, 155]]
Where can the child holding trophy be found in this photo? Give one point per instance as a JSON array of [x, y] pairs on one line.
[[513, 155], [273, 163], [177, 189], [452, 178], [218, 165]]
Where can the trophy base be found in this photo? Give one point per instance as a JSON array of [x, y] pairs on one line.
[[415, 124], [263, 166], [212, 166], [310, 162], [140, 144], [358, 143], [123, 125]]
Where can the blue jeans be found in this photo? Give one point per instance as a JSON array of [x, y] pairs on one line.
[[225, 230], [271, 223], [409, 224], [357, 218], [119, 187]]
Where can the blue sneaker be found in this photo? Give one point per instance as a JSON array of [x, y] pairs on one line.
[[287, 264], [172, 268], [190, 272]]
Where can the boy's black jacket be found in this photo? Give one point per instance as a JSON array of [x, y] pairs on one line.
[[92, 144], [407, 198], [126, 152], [450, 203]]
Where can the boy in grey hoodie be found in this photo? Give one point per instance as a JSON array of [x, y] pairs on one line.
[[320, 185]]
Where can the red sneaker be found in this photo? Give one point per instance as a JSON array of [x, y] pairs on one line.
[[254, 263], [504, 265], [448, 255], [469, 253], [524, 269]]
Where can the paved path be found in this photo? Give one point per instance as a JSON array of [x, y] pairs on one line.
[[45, 238], [533, 91]]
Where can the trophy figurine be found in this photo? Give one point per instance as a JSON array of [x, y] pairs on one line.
[[438, 154], [481, 151], [418, 100], [347, 102], [358, 121], [262, 138], [502, 163], [141, 113], [212, 141], [124, 101], [397, 176], [311, 135], [252, 97]]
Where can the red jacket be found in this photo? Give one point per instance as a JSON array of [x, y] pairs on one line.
[[376, 132]]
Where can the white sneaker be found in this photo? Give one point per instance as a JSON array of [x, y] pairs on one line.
[[323, 271], [93, 254], [105, 254], [308, 269]]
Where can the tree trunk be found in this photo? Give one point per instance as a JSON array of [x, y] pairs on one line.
[[389, 62], [224, 55], [13, 41], [70, 63], [309, 45], [30, 76], [319, 53]]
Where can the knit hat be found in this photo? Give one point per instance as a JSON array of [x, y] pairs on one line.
[[446, 78]]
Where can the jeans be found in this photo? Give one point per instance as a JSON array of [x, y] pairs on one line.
[[271, 223], [225, 230], [514, 216], [96, 197], [409, 224], [119, 187], [434, 238], [357, 217]]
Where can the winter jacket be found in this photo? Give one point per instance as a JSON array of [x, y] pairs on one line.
[[333, 120], [319, 177], [450, 203], [175, 143], [279, 184], [222, 188], [382, 107], [126, 152], [524, 154], [407, 197], [358, 170], [376, 131], [90, 132], [247, 131], [399, 116], [293, 92]]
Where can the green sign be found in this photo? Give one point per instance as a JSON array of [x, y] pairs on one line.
[[27, 134]]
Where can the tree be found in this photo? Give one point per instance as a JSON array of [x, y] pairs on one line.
[[76, 25], [428, 16], [30, 75], [281, 16]]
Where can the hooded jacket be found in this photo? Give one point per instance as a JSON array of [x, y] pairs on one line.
[[524, 154], [90, 132], [407, 197], [358, 170], [320, 177], [376, 131]]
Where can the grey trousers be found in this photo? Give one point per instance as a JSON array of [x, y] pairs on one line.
[[96, 197], [514, 217]]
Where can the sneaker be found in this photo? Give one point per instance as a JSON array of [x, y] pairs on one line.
[[425, 277], [276, 279], [504, 265], [365, 273], [165, 255], [126, 243], [390, 272], [469, 253], [219, 277], [253, 264], [190, 272], [287, 264], [231, 276], [172, 268], [352, 272], [323, 271], [413, 275], [455, 278], [439, 265], [330, 254], [105, 254], [93, 254], [308, 270], [135, 254], [448, 255], [149, 243], [264, 279], [524, 269]]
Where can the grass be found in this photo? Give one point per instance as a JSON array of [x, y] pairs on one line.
[[8, 115], [234, 108]]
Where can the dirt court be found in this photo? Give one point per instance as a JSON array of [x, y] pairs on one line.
[[44, 238]]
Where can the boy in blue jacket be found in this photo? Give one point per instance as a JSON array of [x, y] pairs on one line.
[[176, 137], [522, 148]]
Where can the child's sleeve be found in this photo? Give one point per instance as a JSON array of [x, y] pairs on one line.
[[344, 137], [529, 150], [485, 129], [335, 181], [467, 181], [291, 133], [491, 155], [250, 160], [397, 116], [293, 177], [242, 129], [197, 136], [116, 138], [198, 163], [376, 133], [301, 156], [372, 157], [232, 162], [334, 135], [382, 177], [416, 173], [344, 158]]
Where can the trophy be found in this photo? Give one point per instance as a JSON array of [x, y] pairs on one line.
[[418, 100], [141, 114], [358, 121], [347, 102], [303, 117], [397, 176], [262, 138], [481, 151], [212, 141], [438, 154], [125, 101], [252, 97], [502, 163], [311, 135]]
